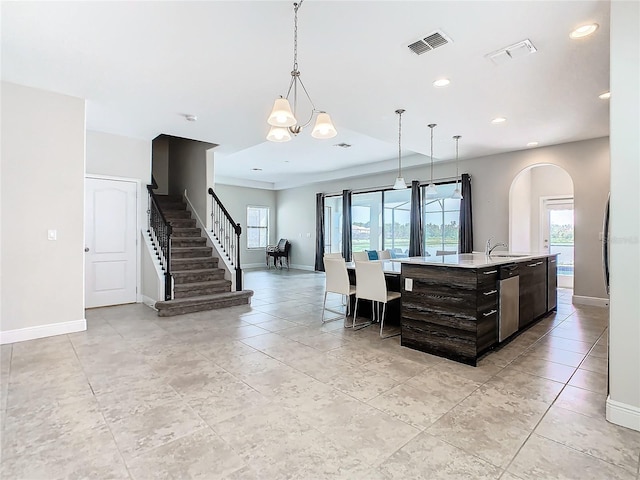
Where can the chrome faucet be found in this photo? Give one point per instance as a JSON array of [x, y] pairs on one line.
[[488, 249]]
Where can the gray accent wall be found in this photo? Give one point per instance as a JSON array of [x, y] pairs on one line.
[[188, 171], [236, 200], [587, 163]]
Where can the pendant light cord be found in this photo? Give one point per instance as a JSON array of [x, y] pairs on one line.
[[399, 112], [431, 126]]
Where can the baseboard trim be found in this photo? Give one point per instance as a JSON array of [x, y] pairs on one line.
[[148, 301], [42, 331], [304, 267], [623, 414], [253, 266], [592, 301]]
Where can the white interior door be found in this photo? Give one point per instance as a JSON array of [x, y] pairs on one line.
[[110, 242], [557, 236]]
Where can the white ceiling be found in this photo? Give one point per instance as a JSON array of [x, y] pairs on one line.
[[143, 65]]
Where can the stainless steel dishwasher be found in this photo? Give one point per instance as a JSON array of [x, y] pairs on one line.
[[509, 303]]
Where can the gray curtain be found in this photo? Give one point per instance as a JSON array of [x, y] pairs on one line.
[[319, 232], [346, 225], [416, 234], [465, 244]]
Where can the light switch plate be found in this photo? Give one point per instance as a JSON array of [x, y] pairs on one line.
[[408, 284], [52, 234]]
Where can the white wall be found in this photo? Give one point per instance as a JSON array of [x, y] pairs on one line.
[[520, 213], [623, 405], [117, 156], [587, 163], [236, 200], [43, 157]]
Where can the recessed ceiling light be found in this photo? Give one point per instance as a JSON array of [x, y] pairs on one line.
[[442, 82], [256, 169], [605, 95], [532, 144], [584, 30], [499, 120]]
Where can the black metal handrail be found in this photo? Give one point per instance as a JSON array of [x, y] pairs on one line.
[[160, 231], [227, 232]]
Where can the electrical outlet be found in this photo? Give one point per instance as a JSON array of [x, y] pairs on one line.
[[408, 284], [52, 235]]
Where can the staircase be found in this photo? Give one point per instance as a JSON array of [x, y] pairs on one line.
[[199, 284]]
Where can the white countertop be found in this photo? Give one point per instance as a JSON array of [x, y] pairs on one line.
[[473, 260]]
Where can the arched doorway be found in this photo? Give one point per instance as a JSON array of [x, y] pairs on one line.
[[541, 216]]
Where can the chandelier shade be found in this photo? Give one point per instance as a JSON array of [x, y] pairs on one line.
[[279, 134], [324, 127], [281, 114]]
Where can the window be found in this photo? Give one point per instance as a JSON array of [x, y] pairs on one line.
[[257, 227], [379, 220], [441, 220]]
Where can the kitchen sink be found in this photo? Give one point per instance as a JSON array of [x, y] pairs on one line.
[[509, 255]]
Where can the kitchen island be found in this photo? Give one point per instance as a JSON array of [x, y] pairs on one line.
[[451, 304]]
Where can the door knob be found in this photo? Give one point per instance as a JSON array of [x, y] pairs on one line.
[[86, 249]]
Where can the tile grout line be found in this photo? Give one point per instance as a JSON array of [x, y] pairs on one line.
[[549, 408], [104, 419]]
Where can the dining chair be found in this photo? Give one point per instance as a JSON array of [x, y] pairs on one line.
[[336, 281], [384, 255], [360, 257], [371, 285], [332, 255]]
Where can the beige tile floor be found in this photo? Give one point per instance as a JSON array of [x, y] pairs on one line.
[[268, 392]]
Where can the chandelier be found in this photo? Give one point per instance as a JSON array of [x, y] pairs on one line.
[[282, 119]]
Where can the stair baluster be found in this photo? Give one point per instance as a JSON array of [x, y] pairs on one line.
[[227, 232], [160, 232]]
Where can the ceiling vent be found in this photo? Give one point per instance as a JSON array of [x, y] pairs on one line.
[[342, 145], [430, 42], [520, 49]]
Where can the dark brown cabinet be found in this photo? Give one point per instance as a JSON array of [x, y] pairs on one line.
[[453, 312], [533, 291], [552, 283]]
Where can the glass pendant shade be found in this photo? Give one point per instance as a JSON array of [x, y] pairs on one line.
[[400, 184], [324, 127], [279, 134], [281, 115], [457, 195], [431, 190]]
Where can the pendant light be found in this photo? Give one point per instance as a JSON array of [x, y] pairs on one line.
[[283, 119], [457, 194], [431, 189], [400, 184]]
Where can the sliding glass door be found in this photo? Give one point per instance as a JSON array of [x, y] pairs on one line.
[[441, 221], [397, 221], [333, 224]]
